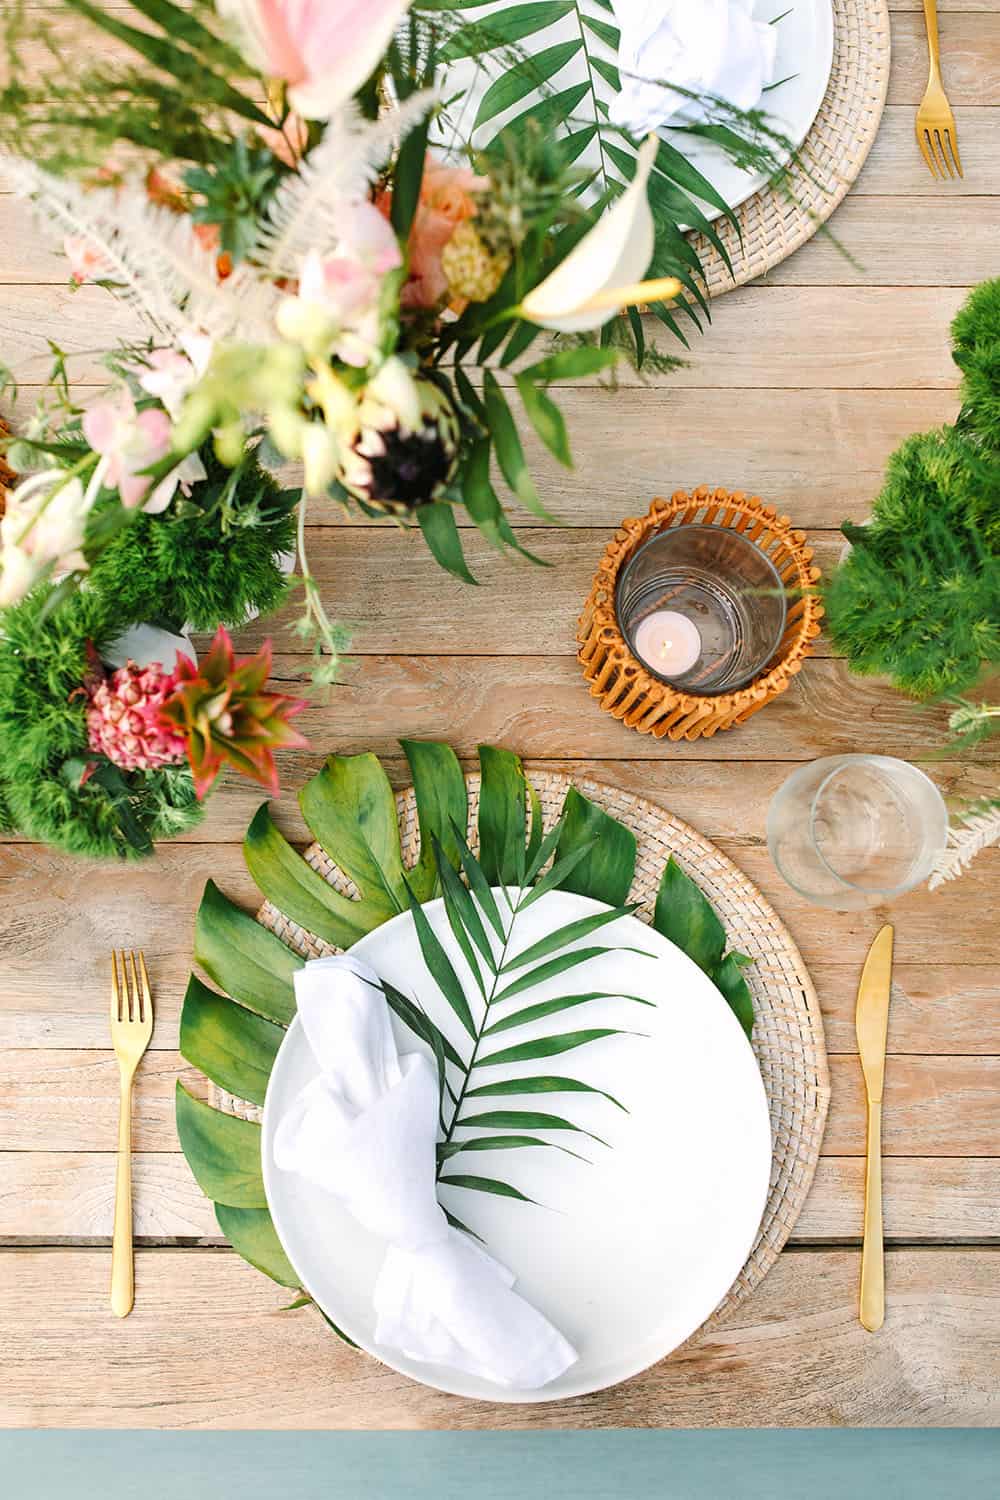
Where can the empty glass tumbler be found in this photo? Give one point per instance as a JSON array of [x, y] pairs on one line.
[[852, 831]]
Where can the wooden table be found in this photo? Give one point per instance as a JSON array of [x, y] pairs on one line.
[[799, 391]]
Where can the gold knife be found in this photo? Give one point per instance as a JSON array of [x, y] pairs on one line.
[[871, 1022]]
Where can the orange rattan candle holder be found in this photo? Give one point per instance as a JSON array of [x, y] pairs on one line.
[[621, 683]]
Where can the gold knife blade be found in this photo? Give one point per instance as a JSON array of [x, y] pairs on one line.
[[872, 1016], [871, 1024]]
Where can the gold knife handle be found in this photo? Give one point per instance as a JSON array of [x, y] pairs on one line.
[[872, 1311], [122, 1273]]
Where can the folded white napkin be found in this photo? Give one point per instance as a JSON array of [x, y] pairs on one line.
[[366, 1131], [702, 46]]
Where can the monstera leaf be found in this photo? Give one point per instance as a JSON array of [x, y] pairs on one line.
[[231, 1033]]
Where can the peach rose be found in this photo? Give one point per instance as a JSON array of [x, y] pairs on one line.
[[446, 199]]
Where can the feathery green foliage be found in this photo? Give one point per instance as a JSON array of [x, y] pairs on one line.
[[918, 596]]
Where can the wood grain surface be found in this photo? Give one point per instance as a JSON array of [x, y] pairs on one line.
[[799, 391]]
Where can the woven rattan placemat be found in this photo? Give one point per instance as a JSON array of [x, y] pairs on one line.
[[774, 222], [788, 1031]]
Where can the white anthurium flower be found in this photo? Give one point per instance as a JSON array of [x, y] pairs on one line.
[[603, 273], [324, 50]]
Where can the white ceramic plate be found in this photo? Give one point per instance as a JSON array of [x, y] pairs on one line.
[[804, 62], [632, 1252]]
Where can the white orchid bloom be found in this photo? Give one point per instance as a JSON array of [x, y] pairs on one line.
[[602, 274], [324, 50]]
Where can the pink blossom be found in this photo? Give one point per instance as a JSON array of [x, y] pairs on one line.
[[446, 199], [86, 262], [324, 50], [337, 305], [131, 441]]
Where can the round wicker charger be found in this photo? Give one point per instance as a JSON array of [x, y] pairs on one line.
[[788, 1030], [774, 223]]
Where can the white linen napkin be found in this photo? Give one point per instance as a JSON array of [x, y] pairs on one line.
[[366, 1130], [703, 46]]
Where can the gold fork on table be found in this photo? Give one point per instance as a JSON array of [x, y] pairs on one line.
[[131, 1029], [936, 134]]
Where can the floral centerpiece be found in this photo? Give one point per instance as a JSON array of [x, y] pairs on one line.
[[321, 289]]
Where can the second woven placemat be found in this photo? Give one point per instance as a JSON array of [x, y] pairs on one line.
[[774, 222]]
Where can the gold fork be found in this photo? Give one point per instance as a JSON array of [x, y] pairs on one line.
[[936, 134], [131, 1029]]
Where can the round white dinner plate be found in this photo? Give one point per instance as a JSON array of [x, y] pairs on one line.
[[802, 71], [630, 1250]]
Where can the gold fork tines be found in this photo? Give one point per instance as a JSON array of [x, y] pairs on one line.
[[131, 1029], [936, 133]]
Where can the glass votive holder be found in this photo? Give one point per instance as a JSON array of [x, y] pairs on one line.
[[709, 589], [702, 608], [854, 831]]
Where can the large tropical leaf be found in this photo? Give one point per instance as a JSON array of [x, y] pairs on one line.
[[350, 809], [607, 871], [243, 958], [298, 890], [442, 803], [252, 1235], [231, 1045], [222, 1151]]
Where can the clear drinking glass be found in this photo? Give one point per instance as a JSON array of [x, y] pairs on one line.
[[720, 582], [852, 831]]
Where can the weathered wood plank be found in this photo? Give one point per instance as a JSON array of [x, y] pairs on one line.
[[68, 1101], [970, 53], [953, 247], [48, 934], [794, 1354], [543, 703], [51, 1198], [895, 166], [822, 462], [955, 243], [766, 337], [699, 791], [970, 48]]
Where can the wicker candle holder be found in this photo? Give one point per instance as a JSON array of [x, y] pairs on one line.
[[621, 683]]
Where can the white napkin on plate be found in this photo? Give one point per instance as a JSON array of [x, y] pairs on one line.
[[702, 46], [366, 1131]]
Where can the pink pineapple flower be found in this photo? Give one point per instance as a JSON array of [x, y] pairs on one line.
[[124, 719]]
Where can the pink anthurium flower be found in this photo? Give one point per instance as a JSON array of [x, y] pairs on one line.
[[322, 49]]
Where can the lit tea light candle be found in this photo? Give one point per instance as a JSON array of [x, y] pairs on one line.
[[668, 642]]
